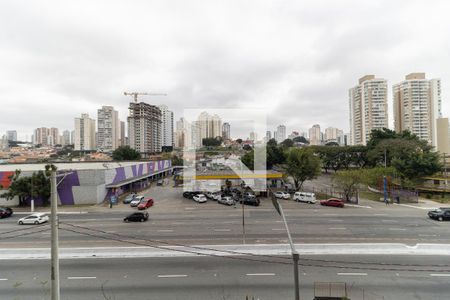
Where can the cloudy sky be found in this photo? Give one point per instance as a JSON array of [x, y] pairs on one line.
[[296, 59]]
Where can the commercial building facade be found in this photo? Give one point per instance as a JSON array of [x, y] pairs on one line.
[[93, 183]]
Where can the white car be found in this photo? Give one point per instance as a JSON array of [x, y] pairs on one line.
[[35, 219], [217, 196], [282, 195], [200, 198], [135, 202], [305, 197], [226, 200]]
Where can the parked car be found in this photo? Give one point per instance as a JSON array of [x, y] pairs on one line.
[[200, 198], [440, 214], [305, 197], [332, 202], [139, 216], [5, 212], [129, 198], [227, 200], [135, 202], [159, 182], [146, 203], [250, 201], [282, 195], [190, 195], [37, 218], [216, 196]]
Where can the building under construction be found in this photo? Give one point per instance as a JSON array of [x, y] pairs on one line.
[[144, 127]]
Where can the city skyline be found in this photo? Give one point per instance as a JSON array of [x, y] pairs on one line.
[[210, 65]]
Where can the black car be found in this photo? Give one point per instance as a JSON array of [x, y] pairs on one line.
[[137, 217], [248, 200], [440, 214], [5, 212], [190, 195]]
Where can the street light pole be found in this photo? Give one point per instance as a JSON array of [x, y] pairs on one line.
[[54, 237], [295, 254]]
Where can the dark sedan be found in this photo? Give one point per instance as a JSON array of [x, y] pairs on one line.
[[332, 202], [137, 217], [440, 214], [5, 212]]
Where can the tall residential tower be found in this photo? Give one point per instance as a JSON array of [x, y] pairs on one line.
[[368, 108]]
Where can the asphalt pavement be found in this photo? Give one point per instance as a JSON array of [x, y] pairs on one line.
[[224, 278]]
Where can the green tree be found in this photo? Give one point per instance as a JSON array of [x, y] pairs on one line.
[[30, 187], [212, 142], [348, 181], [302, 165], [248, 159], [287, 143], [125, 153]]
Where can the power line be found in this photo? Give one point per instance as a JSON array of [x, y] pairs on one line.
[[256, 255], [22, 229], [23, 234]]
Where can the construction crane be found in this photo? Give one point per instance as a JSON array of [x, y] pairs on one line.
[[136, 94]]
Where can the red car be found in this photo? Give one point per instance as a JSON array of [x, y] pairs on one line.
[[332, 202], [146, 203]]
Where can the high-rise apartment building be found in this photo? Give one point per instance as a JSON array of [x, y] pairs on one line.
[[315, 135], [46, 136], [417, 106], [281, 133], [144, 127], [65, 138], [108, 128], [84, 135], [210, 126], [226, 131], [368, 108], [334, 135], [122, 139], [166, 126], [11, 135]]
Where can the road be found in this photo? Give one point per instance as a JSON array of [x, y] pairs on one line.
[[223, 278], [183, 221]]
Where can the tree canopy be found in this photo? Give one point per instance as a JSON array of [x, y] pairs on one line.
[[302, 165], [126, 153]]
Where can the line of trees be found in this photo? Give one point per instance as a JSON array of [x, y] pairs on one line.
[[402, 155]]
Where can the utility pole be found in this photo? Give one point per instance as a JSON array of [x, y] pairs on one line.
[[55, 242], [295, 254]]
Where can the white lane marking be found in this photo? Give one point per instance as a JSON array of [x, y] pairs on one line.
[[165, 230], [82, 277], [380, 215], [440, 275], [352, 274], [222, 230], [172, 276], [278, 229], [279, 221], [392, 221], [260, 274], [427, 234], [189, 208], [357, 205], [417, 207], [337, 228], [335, 220], [397, 229], [233, 215], [330, 214], [3, 279]]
